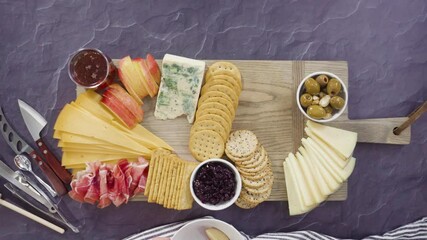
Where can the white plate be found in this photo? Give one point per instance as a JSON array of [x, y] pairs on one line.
[[196, 230]]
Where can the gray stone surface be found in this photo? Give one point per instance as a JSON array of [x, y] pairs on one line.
[[384, 42]]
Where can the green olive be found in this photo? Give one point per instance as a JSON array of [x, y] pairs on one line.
[[316, 111], [322, 80], [337, 102], [312, 86], [328, 109], [333, 87], [306, 100]]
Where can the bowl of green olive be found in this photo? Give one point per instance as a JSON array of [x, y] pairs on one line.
[[322, 96]]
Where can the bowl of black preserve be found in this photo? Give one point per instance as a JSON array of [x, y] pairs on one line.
[[215, 184]]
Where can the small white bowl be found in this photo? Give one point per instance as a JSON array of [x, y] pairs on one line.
[[300, 91], [222, 205], [196, 230]]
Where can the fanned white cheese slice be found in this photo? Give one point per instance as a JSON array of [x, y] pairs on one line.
[[331, 181], [318, 178], [342, 141], [302, 184], [328, 150], [309, 179], [295, 202]]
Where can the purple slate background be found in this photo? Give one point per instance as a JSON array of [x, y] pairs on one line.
[[384, 42]]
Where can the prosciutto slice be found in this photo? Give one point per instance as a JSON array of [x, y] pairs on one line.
[[106, 184]]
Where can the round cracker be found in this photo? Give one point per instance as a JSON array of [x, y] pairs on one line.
[[238, 159], [215, 105], [212, 94], [241, 203], [224, 68], [254, 198], [226, 90], [206, 144], [226, 102], [264, 185], [258, 156], [260, 174], [203, 112], [209, 125], [242, 143], [230, 80], [261, 161], [257, 183], [224, 123], [221, 82]]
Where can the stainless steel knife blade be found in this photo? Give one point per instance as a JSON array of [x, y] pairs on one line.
[[10, 176], [34, 121], [14, 141]]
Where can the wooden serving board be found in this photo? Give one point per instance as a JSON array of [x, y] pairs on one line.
[[267, 106]]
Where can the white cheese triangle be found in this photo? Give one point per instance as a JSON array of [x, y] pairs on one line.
[[295, 202], [328, 150], [342, 141], [302, 184], [331, 181], [318, 178], [309, 179]]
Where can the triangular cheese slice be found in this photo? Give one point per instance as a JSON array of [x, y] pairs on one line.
[[329, 151], [342, 141], [331, 181], [302, 184], [295, 203], [318, 178], [309, 179]]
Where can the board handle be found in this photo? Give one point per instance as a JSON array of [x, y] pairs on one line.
[[411, 118], [378, 130]]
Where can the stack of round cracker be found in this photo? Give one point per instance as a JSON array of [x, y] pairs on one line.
[[254, 165], [216, 111]]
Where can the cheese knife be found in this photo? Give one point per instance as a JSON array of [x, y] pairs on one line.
[[19, 146], [35, 124]]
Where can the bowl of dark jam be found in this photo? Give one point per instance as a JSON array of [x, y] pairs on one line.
[[92, 69], [215, 184]]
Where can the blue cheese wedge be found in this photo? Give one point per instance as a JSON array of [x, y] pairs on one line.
[[179, 91]]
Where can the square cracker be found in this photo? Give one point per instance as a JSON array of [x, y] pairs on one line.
[[151, 169], [155, 179], [178, 183], [185, 199], [169, 180], [164, 181], [172, 190]]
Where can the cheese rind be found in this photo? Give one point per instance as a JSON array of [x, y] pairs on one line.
[[341, 140], [182, 80]]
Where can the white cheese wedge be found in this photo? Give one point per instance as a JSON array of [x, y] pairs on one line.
[[309, 179], [330, 180], [302, 184], [342, 141], [329, 151], [295, 202], [180, 86], [334, 170], [318, 178]]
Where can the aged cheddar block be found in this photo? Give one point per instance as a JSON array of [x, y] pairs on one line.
[[182, 80]]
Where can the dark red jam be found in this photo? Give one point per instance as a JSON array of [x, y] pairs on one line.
[[214, 183], [89, 67]]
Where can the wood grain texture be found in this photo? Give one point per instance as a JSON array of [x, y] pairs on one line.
[[267, 106]]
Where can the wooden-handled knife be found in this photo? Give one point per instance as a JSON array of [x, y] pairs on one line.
[[35, 124]]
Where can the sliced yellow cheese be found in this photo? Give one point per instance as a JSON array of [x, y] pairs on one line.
[[342, 141], [333, 169], [330, 180], [72, 158], [329, 151], [90, 100], [309, 179], [303, 187], [340, 171], [295, 202], [73, 120], [318, 178]]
